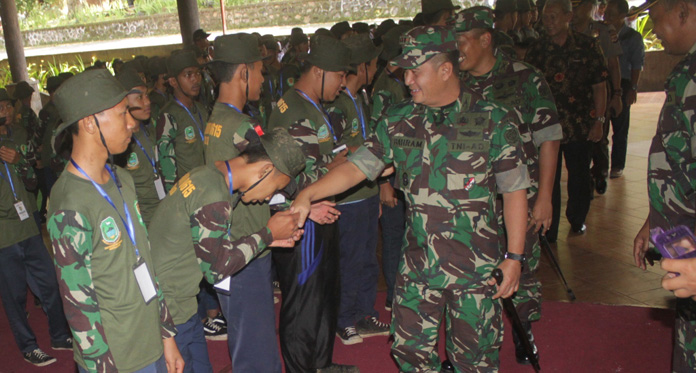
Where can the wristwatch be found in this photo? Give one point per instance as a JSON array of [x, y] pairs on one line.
[[518, 257], [601, 119]]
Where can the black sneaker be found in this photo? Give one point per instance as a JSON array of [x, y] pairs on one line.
[[371, 327], [388, 305], [213, 331], [349, 336], [65, 344], [446, 367], [220, 320], [339, 368], [39, 358]]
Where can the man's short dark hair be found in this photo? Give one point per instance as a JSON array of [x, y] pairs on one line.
[[432, 18], [223, 72], [621, 6], [451, 57]]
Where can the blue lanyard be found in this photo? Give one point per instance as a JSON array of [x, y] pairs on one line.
[[9, 178], [200, 118], [152, 161], [229, 176], [361, 116], [233, 107], [128, 222], [395, 78], [323, 113]]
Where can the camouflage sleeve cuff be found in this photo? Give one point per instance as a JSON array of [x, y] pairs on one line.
[[367, 163], [512, 180], [265, 239], [550, 133]]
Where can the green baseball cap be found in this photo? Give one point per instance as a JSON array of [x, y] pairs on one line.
[[85, 94], [22, 90], [506, 6], [4, 96], [434, 6], [130, 79], [237, 48], [285, 153], [180, 60], [362, 49], [328, 54], [390, 41], [422, 43], [474, 17]]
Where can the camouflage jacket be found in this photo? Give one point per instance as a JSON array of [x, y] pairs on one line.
[[16, 137], [387, 90], [28, 119], [672, 160], [450, 162]]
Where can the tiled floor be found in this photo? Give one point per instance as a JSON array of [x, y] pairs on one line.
[[599, 264]]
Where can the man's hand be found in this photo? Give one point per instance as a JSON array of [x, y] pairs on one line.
[[290, 242], [9, 155], [283, 225], [339, 159], [511, 278], [683, 285], [615, 105], [324, 212], [175, 363], [542, 215], [301, 205], [596, 131], [631, 96], [640, 245], [387, 195]]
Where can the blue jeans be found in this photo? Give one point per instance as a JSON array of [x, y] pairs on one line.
[[190, 339], [159, 366], [207, 299], [358, 230], [393, 222], [28, 262], [250, 315]]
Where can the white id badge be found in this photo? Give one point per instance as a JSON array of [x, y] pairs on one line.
[[224, 285], [142, 276], [277, 199], [340, 149], [159, 186], [21, 211]]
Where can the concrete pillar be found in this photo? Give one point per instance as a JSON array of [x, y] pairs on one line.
[[13, 40], [188, 19]]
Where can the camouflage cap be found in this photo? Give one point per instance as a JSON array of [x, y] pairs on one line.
[[22, 90], [4, 96], [328, 54], [434, 6], [523, 6], [180, 60], [130, 79], [474, 17], [156, 66], [390, 42], [52, 83], [237, 48], [422, 43], [85, 94], [285, 153], [362, 49], [505, 6]]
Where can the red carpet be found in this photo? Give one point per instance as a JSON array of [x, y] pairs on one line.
[[577, 337]]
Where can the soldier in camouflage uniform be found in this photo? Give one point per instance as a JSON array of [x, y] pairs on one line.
[[192, 234], [452, 151], [157, 71], [672, 166], [23, 255], [278, 77], [521, 89], [116, 311], [505, 20]]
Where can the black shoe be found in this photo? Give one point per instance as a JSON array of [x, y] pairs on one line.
[[447, 367], [213, 331], [371, 327], [349, 336], [578, 229], [520, 354], [65, 344], [601, 186], [39, 358]]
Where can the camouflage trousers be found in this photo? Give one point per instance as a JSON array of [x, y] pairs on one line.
[[527, 299], [473, 324], [684, 354]]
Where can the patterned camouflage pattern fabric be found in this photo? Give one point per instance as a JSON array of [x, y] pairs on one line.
[[474, 17], [671, 186], [523, 90], [450, 162], [422, 43]]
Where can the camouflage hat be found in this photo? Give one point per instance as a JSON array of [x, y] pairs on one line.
[[505, 6], [52, 83], [4, 96], [179, 60], [156, 66], [362, 49], [340, 29], [130, 79], [523, 6], [474, 17], [422, 43], [22, 90], [285, 153], [237, 48], [328, 54], [390, 42], [85, 94], [434, 6], [643, 7]]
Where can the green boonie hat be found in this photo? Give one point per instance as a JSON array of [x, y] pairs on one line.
[[391, 40], [362, 49], [422, 43], [643, 7], [506, 6], [340, 28], [434, 6], [156, 66], [328, 54], [179, 60], [85, 94], [285, 153], [474, 17], [270, 42], [53, 82], [136, 65], [237, 48], [130, 79], [298, 37], [22, 90], [361, 27], [523, 6], [4, 96]]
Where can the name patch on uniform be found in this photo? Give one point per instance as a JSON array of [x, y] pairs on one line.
[[282, 106], [111, 235], [407, 142], [189, 134], [323, 133], [468, 146], [133, 161]]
